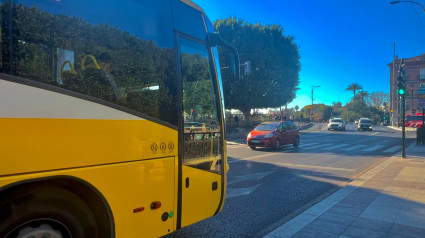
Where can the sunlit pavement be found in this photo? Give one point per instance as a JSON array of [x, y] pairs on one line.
[[267, 188], [386, 201]]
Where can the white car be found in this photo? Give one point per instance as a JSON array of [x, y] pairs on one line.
[[336, 124], [364, 124]]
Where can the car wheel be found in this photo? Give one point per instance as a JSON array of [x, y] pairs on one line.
[[252, 147], [46, 211], [297, 141], [277, 144]]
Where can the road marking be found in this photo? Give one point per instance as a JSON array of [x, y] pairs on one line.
[[257, 176], [304, 145], [370, 149], [318, 146], [315, 167], [335, 147], [375, 133], [249, 158], [392, 149], [353, 147], [236, 192]]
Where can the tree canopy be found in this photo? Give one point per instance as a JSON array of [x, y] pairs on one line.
[[354, 87], [274, 58]]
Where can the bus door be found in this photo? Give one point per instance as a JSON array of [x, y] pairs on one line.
[[201, 149]]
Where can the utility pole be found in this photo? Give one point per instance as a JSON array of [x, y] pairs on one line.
[[312, 88], [401, 89]]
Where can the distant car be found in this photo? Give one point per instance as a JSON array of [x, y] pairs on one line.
[[336, 124], [364, 124], [273, 134]]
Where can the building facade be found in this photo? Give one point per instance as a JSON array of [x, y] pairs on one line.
[[415, 76]]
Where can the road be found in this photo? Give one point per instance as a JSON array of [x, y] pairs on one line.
[[266, 188]]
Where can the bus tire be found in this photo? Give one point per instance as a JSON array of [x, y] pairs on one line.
[[42, 210]]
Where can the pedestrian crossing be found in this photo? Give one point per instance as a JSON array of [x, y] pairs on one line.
[[333, 146]]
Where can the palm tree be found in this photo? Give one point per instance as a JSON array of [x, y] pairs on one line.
[[354, 87]]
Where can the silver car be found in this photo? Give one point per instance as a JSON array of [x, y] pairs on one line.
[[336, 124], [364, 124]]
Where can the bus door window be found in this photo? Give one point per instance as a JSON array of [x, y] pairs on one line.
[[202, 132]]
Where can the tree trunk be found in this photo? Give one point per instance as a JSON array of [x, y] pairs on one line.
[[247, 115]]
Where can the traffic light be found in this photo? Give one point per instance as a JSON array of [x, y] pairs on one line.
[[309, 107], [401, 86]]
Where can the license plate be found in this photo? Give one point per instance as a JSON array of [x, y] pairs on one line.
[[256, 141]]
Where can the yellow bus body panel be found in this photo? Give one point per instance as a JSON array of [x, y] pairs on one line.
[[132, 163], [128, 186], [31, 145]]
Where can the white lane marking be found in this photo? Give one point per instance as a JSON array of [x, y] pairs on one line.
[[318, 146], [315, 167], [249, 158], [373, 148], [392, 149], [304, 145], [256, 176], [335, 147], [353, 147], [236, 192]]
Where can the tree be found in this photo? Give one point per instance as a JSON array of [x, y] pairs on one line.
[[354, 87], [275, 65], [336, 105], [377, 99]]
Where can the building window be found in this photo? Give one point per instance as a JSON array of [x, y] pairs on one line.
[[422, 75]]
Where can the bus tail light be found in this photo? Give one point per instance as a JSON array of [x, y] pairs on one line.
[[155, 205]]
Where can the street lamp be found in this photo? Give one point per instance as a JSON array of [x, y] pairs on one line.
[[395, 2], [312, 88]]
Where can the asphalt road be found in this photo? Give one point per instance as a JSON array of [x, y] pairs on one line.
[[266, 188]]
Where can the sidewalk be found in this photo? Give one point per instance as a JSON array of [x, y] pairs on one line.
[[386, 201]]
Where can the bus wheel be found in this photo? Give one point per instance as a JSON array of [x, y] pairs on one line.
[[46, 212]]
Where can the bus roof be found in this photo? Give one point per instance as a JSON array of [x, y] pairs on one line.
[[194, 5]]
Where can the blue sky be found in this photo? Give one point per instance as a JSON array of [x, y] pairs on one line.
[[340, 41]]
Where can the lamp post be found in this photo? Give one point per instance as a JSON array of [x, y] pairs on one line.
[[395, 2], [312, 89]]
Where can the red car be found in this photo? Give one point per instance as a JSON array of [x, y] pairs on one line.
[[273, 134]]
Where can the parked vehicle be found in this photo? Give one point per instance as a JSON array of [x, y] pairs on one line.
[[364, 124], [273, 134], [336, 124], [413, 120]]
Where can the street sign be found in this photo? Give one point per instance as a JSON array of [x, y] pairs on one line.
[[421, 91], [422, 85], [392, 110]]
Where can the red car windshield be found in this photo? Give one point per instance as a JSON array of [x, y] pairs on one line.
[[267, 127]]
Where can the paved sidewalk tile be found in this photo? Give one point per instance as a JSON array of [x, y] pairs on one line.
[[311, 233], [381, 213], [338, 218], [407, 231], [328, 226], [372, 224], [359, 232]]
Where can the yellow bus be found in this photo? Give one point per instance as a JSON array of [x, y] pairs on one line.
[[111, 118]]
